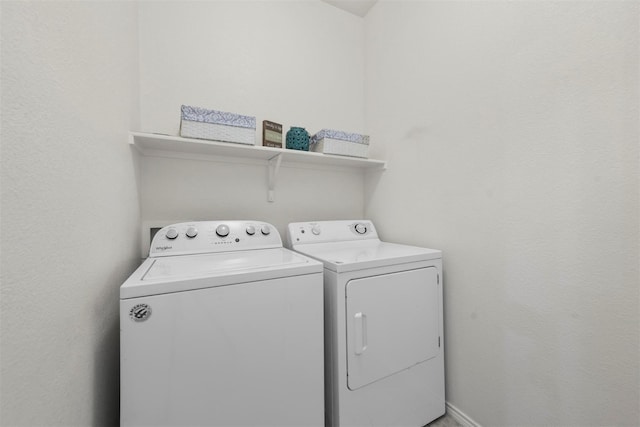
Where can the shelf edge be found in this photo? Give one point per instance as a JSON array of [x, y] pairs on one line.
[[142, 140]]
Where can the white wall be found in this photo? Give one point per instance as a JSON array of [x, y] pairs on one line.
[[512, 138], [70, 213], [295, 63], [511, 132]]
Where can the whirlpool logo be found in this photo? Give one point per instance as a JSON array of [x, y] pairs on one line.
[[140, 312]]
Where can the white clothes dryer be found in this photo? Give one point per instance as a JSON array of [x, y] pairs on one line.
[[384, 360], [222, 326]]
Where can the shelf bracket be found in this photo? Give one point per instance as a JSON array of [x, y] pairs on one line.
[[274, 168]]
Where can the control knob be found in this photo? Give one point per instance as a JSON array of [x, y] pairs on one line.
[[222, 230], [315, 230], [251, 230], [361, 228], [172, 233], [192, 232], [265, 230]]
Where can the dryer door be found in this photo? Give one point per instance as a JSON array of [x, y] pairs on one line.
[[392, 324]]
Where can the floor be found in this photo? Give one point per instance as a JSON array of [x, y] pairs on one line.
[[445, 421]]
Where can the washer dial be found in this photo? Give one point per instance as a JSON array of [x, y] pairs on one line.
[[172, 233], [222, 230], [192, 232]]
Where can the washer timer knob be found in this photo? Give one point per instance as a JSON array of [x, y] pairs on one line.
[[265, 230], [192, 232], [251, 230], [361, 228], [315, 230], [222, 230], [172, 233]]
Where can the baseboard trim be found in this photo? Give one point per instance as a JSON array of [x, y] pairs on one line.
[[462, 418]]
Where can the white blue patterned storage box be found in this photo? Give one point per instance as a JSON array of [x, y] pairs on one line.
[[340, 143], [215, 125]]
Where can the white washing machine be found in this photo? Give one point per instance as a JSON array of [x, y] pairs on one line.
[[384, 361], [222, 326]]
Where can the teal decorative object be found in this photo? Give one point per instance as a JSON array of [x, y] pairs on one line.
[[298, 139]]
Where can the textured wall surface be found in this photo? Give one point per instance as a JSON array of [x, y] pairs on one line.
[[511, 132], [295, 63], [70, 213]]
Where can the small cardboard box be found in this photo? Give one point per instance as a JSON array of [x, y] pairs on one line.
[[216, 125], [329, 141]]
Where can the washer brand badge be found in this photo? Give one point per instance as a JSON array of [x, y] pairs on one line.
[[140, 312], [163, 248]]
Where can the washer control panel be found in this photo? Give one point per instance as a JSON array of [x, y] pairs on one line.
[[329, 231], [213, 236]]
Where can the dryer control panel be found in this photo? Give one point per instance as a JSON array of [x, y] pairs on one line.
[[330, 231], [214, 236]]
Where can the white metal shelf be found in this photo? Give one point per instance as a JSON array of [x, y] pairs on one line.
[[150, 144]]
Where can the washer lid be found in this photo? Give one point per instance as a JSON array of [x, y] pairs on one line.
[[188, 272], [358, 255]]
